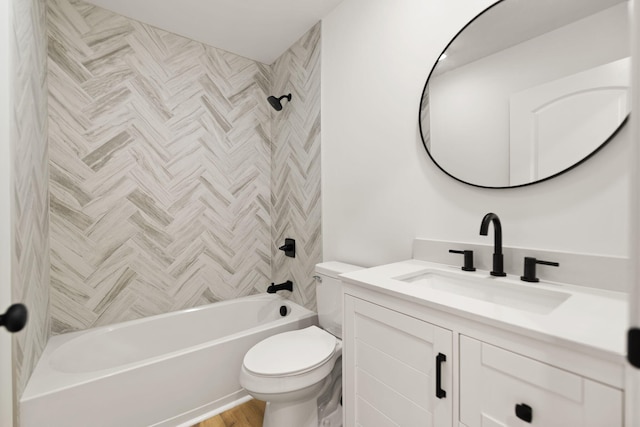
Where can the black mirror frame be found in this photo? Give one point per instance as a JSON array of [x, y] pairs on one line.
[[424, 91]]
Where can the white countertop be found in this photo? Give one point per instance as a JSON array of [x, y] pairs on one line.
[[589, 319]]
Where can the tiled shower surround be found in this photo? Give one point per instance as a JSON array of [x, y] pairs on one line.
[[172, 180], [295, 166], [29, 207]]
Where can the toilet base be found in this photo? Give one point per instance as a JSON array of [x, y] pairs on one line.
[[298, 407], [302, 414]]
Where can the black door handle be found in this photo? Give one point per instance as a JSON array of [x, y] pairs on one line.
[[15, 318], [524, 412], [440, 359]]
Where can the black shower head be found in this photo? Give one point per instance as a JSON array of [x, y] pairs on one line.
[[276, 102]]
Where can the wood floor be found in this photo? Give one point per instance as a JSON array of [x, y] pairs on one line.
[[248, 414]]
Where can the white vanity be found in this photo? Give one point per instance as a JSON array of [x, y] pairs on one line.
[[426, 344]]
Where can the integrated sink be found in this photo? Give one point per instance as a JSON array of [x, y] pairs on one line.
[[489, 289]]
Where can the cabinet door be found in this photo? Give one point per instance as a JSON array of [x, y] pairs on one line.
[[391, 363], [499, 388]]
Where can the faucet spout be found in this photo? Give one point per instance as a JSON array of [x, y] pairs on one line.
[[498, 258], [285, 286]]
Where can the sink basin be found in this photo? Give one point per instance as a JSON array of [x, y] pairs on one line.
[[514, 295]]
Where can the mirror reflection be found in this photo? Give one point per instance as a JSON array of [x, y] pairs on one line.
[[527, 90]]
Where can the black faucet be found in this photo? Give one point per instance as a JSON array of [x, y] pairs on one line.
[[498, 259], [286, 286]]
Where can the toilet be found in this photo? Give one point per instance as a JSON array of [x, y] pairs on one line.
[[298, 373]]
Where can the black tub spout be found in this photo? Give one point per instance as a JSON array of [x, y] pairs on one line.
[[286, 286]]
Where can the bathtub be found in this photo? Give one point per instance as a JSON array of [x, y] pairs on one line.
[[174, 369]]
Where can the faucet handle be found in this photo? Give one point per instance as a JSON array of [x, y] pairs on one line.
[[530, 268], [289, 247], [468, 259]]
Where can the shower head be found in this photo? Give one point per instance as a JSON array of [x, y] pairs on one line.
[[276, 102]]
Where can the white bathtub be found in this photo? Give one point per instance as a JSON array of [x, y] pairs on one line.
[[169, 370]]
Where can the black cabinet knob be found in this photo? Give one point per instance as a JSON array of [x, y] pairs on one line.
[[524, 412], [15, 318]]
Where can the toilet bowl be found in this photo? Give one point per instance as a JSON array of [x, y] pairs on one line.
[[289, 371], [293, 371]]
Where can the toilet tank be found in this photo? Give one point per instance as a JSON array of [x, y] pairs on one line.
[[329, 294]]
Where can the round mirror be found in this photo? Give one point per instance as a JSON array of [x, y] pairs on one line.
[[528, 90]]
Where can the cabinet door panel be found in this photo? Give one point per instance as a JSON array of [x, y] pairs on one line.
[[390, 367], [537, 374], [390, 402], [380, 330], [493, 381], [487, 421], [369, 416], [415, 385]]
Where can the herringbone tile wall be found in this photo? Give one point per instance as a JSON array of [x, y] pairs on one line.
[[295, 166], [30, 204], [160, 170]]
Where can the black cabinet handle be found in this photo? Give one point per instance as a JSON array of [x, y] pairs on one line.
[[524, 412], [440, 359], [633, 347]]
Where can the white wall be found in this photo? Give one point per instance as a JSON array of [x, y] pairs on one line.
[[478, 93], [380, 189]]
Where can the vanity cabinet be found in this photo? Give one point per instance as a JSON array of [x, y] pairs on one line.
[[398, 368], [408, 365], [499, 388]]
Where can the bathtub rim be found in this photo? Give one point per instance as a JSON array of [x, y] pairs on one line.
[[46, 380], [88, 336]]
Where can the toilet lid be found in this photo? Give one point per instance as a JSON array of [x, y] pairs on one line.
[[291, 352]]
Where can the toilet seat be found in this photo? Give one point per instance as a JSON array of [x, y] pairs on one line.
[[291, 353]]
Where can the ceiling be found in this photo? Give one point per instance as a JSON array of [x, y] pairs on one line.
[[257, 29]]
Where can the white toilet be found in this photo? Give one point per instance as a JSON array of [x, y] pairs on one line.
[[293, 371]]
